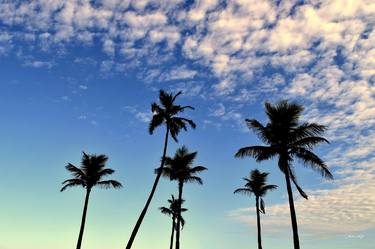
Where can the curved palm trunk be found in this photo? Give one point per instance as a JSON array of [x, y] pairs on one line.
[[143, 213], [172, 234], [180, 186], [292, 210], [258, 224], [83, 221]]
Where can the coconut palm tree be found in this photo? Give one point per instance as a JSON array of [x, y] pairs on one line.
[[179, 168], [286, 138], [90, 174], [172, 211], [164, 114], [256, 184]]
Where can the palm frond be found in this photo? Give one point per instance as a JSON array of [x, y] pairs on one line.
[[260, 130], [187, 107], [244, 191], [175, 96], [306, 130], [165, 98], [267, 188], [194, 179], [197, 169], [183, 222], [156, 109], [75, 171], [156, 120], [309, 142], [72, 183], [109, 183], [166, 211], [174, 130], [189, 121], [105, 172], [310, 159], [292, 176], [262, 206], [260, 153]]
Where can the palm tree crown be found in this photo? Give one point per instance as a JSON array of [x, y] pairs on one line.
[[179, 167], [172, 210], [167, 113], [287, 138], [256, 184], [90, 173]]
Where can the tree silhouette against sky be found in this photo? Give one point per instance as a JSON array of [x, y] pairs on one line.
[[90, 174], [288, 139], [180, 168], [166, 113], [173, 212], [256, 184]]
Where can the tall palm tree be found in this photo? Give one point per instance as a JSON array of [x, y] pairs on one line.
[[179, 168], [172, 211], [90, 174], [287, 138], [256, 184], [166, 113]]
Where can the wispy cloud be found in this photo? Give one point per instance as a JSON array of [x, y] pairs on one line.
[[318, 52]]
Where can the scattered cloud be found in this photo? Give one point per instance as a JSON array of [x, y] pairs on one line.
[[83, 87], [141, 116], [65, 98], [94, 123], [318, 52], [39, 64], [144, 116]]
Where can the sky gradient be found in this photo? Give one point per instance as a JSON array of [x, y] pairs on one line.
[[80, 75]]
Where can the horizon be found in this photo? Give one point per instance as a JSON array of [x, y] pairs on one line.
[[81, 76]]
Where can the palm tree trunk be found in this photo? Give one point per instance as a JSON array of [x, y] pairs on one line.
[[143, 213], [172, 234], [292, 210], [180, 186], [83, 221], [258, 224]]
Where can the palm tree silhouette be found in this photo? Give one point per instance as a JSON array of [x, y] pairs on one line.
[[256, 184], [180, 169], [166, 113], [90, 174], [172, 211], [287, 139]]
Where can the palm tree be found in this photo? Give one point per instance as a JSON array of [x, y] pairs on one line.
[[172, 211], [166, 113], [287, 138], [256, 184], [90, 174], [180, 169]]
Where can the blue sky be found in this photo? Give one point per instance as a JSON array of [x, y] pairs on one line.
[[81, 75]]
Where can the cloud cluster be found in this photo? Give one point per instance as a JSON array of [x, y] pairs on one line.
[[320, 52]]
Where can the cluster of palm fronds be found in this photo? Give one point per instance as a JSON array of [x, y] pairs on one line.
[[284, 137]]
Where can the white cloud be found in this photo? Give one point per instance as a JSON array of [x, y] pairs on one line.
[[83, 87], [320, 52], [65, 98], [179, 74], [144, 116], [218, 111], [39, 64]]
